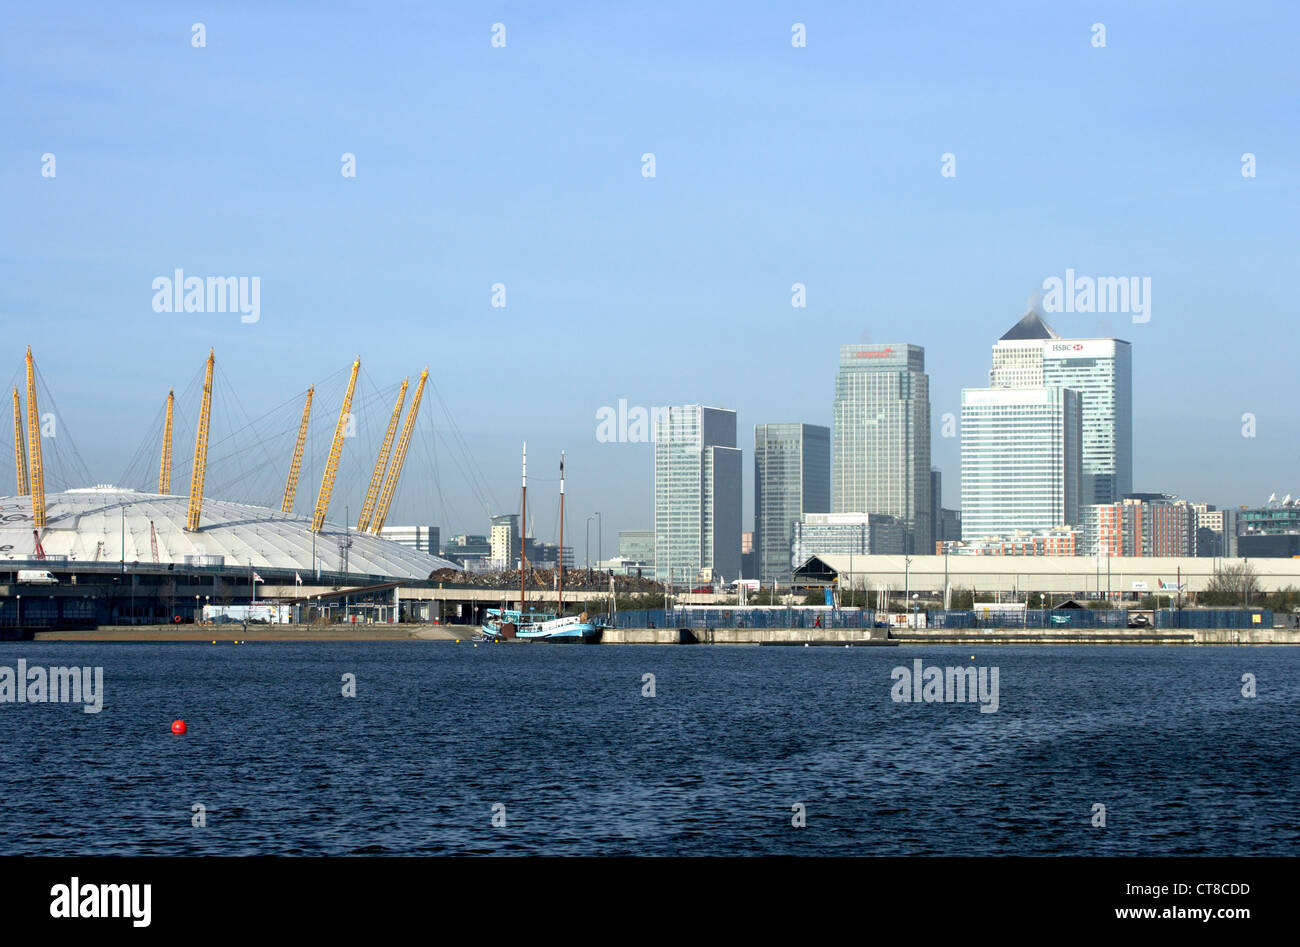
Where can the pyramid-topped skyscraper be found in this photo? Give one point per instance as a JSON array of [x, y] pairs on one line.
[[1030, 326], [1031, 354]]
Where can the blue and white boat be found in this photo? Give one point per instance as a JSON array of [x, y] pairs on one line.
[[506, 623]]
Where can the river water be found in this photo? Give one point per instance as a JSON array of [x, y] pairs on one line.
[[451, 748]]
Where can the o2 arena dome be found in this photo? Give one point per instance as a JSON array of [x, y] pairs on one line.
[[112, 524]]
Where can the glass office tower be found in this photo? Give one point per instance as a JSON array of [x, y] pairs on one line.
[[1021, 460], [792, 476], [1032, 354], [697, 496], [881, 462]]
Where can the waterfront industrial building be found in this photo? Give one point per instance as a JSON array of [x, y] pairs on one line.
[[1082, 577]]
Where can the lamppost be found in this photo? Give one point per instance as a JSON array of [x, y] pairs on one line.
[[197, 615], [20, 620], [916, 608], [907, 578], [589, 519], [946, 596], [600, 539]]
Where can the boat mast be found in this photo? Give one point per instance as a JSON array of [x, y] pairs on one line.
[[523, 530], [559, 609]]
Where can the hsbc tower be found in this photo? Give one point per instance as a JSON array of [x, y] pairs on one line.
[[1032, 354]]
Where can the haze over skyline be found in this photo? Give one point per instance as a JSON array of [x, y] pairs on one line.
[[774, 165]]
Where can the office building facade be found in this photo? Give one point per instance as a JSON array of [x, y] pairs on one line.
[[792, 476], [637, 546], [424, 538], [1033, 355], [881, 460], [1021, 463], [859, 534], [697, 495]]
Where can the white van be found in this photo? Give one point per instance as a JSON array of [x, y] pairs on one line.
[[37, 577]]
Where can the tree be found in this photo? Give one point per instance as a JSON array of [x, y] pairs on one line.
[[1234, 584], [962, 598], [1285, 600]]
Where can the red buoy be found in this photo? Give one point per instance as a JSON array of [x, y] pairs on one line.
[[178, 726]]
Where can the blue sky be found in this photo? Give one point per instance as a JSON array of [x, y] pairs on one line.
[[774, 165]]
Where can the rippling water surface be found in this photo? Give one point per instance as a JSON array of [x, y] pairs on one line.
[[562, 737]]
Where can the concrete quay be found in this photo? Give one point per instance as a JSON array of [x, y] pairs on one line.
[[949, 636]]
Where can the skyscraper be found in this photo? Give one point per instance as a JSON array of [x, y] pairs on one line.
[[697, 495], [881, 462], [1031, 354], [792, 476], [1021, 460]]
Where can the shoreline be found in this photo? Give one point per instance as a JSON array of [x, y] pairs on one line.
[[821, 637], [225, 634]]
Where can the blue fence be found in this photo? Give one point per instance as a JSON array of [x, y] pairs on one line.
[[1030, 618], [1047, 619], [746, 618], [1214, 618]]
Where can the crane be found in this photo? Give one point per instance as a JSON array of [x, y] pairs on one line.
[[20, 450], [381, 465], [291, 485], [165, 463], [34, 440], [200, 451], [399, 458], [336, 452]]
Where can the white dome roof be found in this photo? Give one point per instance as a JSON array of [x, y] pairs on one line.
[[78, 521]]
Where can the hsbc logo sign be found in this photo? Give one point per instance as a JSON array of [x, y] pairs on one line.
[[1067, 347]]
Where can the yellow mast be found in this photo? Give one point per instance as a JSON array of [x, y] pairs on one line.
[[336, 451], [200, 452], [165, 462], [20, 449], [291, 485], [399, 458], [381, 465], [34, 440]]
